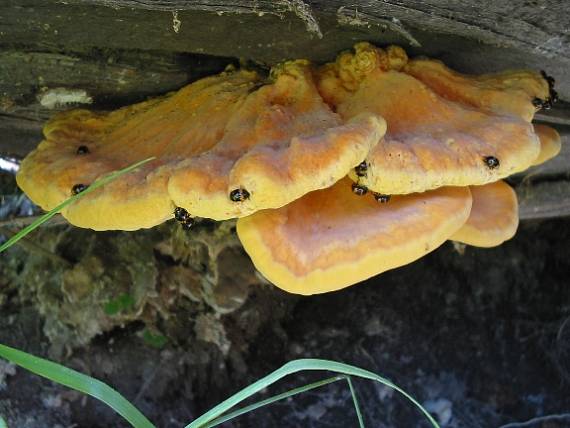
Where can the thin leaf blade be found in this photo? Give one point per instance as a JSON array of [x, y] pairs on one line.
[[78, 381], [355, 402], [95, 185], [294, 367], [272, 400]]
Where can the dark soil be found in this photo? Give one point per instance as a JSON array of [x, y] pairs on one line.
[[481, 337]]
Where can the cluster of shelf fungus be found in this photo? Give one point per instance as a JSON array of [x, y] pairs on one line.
[[335, 172]]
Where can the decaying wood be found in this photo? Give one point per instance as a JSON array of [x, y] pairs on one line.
[[103, 54]]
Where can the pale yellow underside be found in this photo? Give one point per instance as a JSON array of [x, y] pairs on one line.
[[494, 216], [550, 143], [331, 239]]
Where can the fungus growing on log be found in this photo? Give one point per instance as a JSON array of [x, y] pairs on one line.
[[494, 216], [331, 238], [336, 174], [434, 138], [276, 141]]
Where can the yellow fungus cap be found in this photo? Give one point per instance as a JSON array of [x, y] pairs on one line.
[[277, 140], [505, 93], [494, 216], [330, 239], [550, 143], [431, 141]]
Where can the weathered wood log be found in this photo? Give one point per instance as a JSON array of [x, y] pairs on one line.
[[107, 53]]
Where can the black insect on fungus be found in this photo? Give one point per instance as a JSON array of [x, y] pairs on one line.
[[359, 189], [549, 79], [181, 215], [537, 103], [187, 225], [491, 161], [383, 199], [78, 188], [552, 94], [361, 169], [82, 150], [239, 195]]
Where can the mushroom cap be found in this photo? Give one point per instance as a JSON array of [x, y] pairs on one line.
[[506, 93], [494, 216], [284, 142], [159, 127], [430, 141], [330, 239], [214, 135], [550, 143]]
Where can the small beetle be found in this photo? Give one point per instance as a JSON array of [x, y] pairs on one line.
[[549, 79], [491, 161], [187, 225], [181, 215], [82, 150], [78, 188], [359, 190], [239, 195], [383, 199], [361, 169], [537, 103]]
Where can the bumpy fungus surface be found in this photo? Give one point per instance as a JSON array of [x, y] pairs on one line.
[[509, 93], [442, 129], [330, 239], [81, 145], [494, 216], [273, 142], [284, 142], [550, 143]]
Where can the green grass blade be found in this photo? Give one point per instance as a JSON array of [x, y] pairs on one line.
[[294, 367], [355, 402], [272, 400], [79, 382], [3, 423], [95, 185]]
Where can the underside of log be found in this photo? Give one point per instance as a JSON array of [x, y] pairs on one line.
[[103, 54]]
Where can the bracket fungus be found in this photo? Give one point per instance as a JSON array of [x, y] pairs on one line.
[[434, 138], [494, 216], [282, 143], [550, 143], [271, 142], [330, 239], [336, 173]]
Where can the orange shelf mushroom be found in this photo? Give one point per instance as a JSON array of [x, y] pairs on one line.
[[226, 146], [286, 155], [494, 216], [516, 93], [432, 140], [81, 146], [550, 143], [284, 142], [331, 238]]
